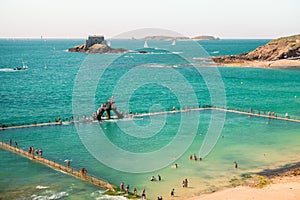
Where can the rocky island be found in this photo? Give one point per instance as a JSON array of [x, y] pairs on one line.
[[96, 44], [278, 53], [205, 37]]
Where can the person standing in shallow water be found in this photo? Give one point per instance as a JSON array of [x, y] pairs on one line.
[[235, 164], [143, 194], [127, 189], [122, 186]]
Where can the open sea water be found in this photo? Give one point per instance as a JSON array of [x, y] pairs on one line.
[[168, 76]]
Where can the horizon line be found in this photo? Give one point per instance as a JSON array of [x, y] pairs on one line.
[[82, 38]]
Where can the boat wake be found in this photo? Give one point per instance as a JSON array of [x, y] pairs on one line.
[[7, 70], [160, 66]]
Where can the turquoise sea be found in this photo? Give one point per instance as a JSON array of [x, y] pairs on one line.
[[60, 84]]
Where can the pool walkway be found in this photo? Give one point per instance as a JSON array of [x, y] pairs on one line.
[[219, 109], [163, 113], [56, 166]]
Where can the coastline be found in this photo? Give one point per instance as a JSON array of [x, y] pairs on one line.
[[284, 63], [278, 184]]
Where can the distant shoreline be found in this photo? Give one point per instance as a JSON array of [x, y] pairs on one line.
[[284, 63]]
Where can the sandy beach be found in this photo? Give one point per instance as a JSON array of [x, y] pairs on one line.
[[282, 186], [284, 63]]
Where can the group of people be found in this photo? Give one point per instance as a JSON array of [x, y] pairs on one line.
[[83, 171], [10, 143], [195, 157], [134, 190], [271, 114], [154, 179], [38, 152]]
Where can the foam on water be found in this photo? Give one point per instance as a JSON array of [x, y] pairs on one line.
[[41, 187]]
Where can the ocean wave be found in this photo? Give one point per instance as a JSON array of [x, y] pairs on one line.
[[153, 53], [107, 197], [201, 58], [160, 66], [41, 187], [214, 52], [99, 194], [177, 52], [54, 196]]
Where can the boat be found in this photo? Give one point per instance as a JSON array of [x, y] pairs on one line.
[[146, 44], [24, 67], [174, 42]]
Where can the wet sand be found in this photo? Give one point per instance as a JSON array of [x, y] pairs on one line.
[[283, 184]]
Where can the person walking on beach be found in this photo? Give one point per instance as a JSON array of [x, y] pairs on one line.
[[159, 177], [134, 191], [172, 192], [186, 182], [10, 142], [16, 144]]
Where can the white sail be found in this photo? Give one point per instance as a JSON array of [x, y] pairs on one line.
[[24, 66], [146, 44], [108, 43], [174, 42]]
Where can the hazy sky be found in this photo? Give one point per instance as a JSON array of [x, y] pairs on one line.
[[79, 18]]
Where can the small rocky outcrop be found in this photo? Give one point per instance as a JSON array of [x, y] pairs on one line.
[[96, 48], [205, 37], [281, 48]]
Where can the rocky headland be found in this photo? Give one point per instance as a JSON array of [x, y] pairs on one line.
[[278, 53]]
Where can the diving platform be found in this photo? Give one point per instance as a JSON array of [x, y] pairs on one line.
[[107, 108]]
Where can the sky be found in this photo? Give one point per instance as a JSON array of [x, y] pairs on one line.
[[226, 19]]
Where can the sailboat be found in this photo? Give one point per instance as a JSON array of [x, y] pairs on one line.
[[174, 42], [146, 44], [108, 43]]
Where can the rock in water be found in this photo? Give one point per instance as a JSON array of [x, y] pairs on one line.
[[96, 44]]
